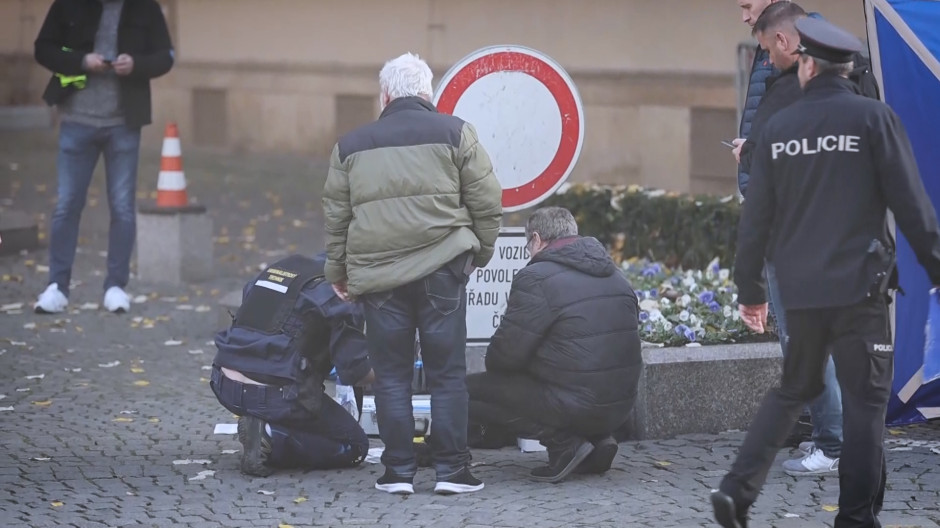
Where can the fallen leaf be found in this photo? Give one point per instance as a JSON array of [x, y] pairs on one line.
[[140, 299], [40, 459], [36, 376], [202, 308], [11, 306], [229, 451], [663, 463], [18, 343], [284, 526], [172, 342], [79, 329], [791, 515], [29, 263], [202, 475], [56, 504], [298, 500], [42, 268], [6, 408], [141, 383], [29, 326], [89, 306], [830, 508], [265, 492], [24, 389], [204, 380], [128, 412], [137, 370], [109, 365], [43, 403], [896, 432], [196, 351], [73, 369], [153, 420], [123, 419], [184, 307]]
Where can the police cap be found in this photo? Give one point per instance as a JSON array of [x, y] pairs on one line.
[[824, 40]]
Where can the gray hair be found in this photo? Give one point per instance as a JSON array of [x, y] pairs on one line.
[[406, 76], [842, 69], [551, 223]]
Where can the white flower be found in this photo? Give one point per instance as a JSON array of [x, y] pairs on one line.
[[664, 302], [667, 326], [649, 305], [684, 315], [734, 297], [693, 319], [686, 300], [724, 274], [736, 315], [688, 282], [727, 311], [698, 274], [655, 315], [710, 275]]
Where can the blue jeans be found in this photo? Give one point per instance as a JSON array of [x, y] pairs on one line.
[[826, 410], [80, 146], [332, 439], [436, 307]]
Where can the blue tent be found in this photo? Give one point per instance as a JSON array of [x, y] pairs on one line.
[[904, 38]]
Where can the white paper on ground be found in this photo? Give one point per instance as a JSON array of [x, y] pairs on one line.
[[226, 428]]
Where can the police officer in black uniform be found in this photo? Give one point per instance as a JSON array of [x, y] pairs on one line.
[[271, 364], [826, 170]]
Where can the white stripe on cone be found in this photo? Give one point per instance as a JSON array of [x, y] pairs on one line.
[[171, 181], [171, 147]]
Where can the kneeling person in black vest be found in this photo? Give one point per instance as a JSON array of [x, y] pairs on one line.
[[289, 332]]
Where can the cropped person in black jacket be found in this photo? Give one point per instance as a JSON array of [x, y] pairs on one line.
[[102, 55], [563, 365]]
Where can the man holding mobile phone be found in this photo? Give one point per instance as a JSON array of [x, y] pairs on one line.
[[102, 54]]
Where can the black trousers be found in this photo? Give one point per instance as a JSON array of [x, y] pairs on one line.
[[516, 404], [859, 338]]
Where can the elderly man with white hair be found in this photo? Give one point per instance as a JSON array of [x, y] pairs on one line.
[[412, 207]]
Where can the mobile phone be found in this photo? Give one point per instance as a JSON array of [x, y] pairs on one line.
[[727, 143]]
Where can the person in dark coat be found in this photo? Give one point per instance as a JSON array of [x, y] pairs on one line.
[[563, 365]]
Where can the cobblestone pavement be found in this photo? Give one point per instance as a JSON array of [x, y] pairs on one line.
[[108, 420]]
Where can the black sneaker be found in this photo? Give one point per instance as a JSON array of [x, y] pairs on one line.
[[256, 446], [561, 465], [726, 512], [600, 460], [460, 482], [392, 483]]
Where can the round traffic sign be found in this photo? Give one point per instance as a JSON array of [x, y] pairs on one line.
[[527, 113]]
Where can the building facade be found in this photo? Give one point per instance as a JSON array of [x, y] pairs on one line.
[[658, 78]]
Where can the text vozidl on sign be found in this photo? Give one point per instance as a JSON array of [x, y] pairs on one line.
[[488, 288]]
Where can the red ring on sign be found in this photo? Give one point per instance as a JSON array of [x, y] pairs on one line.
[[567, 107]]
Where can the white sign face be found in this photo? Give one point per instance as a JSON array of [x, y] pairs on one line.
[[527, 113], [488, 288]]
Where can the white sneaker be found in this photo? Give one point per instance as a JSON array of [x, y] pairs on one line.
[[116, 300], [807, 447], [815, 463], [51, 301]]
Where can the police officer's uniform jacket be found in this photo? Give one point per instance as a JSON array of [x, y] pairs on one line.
[[818, 199], [291, 329]]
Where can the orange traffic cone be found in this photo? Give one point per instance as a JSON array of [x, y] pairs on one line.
[[171, 185]]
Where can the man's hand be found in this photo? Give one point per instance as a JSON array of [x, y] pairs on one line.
[[738, 143], [754, 316], [341, 290], [367, 380], [123, 64], [94, 63]]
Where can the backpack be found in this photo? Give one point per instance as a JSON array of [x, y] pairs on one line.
[[864, 78]]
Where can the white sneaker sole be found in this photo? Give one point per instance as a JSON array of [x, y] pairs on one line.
[[450, 488], [396, 488], [817, 473]]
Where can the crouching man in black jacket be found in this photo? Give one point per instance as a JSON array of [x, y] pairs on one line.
[[563, 365], [271, 364]]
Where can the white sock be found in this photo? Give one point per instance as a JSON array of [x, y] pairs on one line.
[[267, 429]]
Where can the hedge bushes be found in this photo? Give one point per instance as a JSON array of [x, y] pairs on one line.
[[675, 229]]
